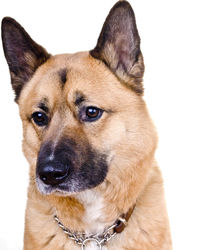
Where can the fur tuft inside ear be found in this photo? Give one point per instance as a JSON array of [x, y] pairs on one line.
[[23, 55], [118, 46]]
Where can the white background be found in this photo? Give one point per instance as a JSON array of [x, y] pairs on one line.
[[170, 37]]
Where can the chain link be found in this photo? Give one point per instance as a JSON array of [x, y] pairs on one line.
[[82, 238]]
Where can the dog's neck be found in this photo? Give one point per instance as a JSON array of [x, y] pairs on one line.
[[96, 232], [86, 212], [97, 239]]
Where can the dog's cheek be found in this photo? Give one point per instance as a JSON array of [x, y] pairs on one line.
[[114, 131], [31, 143], [108, 135]]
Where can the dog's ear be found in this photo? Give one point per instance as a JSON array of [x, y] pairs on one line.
[[23, 55], [118, 46]]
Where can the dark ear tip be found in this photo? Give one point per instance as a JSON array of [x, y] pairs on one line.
[[122, 4], [8, 20]]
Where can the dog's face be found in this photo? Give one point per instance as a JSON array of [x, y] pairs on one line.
[[84, 120]]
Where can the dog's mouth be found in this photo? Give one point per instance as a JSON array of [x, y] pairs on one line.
[[48, 189], [70, 186], [65, 188]]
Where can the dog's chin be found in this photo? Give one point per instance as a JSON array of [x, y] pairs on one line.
[[61, 190], [57, 190]]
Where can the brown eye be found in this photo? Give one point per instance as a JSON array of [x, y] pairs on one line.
[[90, 114], [40, 118]]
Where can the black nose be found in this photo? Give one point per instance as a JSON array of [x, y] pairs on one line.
[[52, 175], [53, 163]]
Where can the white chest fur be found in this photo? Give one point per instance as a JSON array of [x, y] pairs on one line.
[[93, 204]]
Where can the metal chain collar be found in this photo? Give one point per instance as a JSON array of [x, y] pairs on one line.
[[82, 239]]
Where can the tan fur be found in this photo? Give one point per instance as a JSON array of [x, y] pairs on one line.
[[127, 133]]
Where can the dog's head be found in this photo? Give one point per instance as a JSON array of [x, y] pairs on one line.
[[84, 119]]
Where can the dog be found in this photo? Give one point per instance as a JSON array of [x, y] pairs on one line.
[[90, 142]]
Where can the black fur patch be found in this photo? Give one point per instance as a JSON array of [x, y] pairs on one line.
[[87, 167], [63, 75], [43, 105], [79, 98]]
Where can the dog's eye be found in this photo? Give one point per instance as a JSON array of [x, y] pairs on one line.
[[40, 118], [91, 114]]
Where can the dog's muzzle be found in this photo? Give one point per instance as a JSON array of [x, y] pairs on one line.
[[68, 167]]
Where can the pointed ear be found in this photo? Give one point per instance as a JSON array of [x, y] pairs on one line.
[[23, 55], [118, 46]]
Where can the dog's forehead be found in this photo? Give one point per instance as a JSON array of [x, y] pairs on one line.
[[74, 69], [72, 76]]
